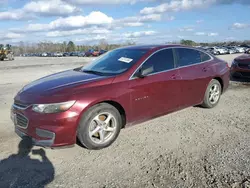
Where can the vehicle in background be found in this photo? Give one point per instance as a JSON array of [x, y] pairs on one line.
[[65, 54], [6, 52], [231, 50], [245, 45], [240, 49], [226, 51], [240, 67], [121, 88], [89, 53], [102, 52], [218, 50], [73, 54], [211, 50], [234, 48], [95, 53], [44, 54], [247, 51], [58, 54], [81, 54]]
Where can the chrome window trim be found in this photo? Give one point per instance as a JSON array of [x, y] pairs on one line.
[[176, 68]]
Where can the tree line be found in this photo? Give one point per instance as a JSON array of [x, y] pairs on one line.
[[226, 43], [48, 46]]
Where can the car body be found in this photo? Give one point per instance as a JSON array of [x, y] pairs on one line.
[[212, 51], [81, 54], [44, 54], [245, 45], [102, 52], [219, 50], [95, 53], [231, 50], [226, 49], [136, 84], [65, 54], [89, 53], [73, 54], [58, 54], [240, 49], [240, 67]]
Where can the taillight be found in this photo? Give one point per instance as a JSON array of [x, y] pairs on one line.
[[234, 63]]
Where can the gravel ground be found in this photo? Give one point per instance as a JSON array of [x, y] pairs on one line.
[[194, 147]]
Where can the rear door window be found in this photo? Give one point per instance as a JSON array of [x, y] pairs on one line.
[[188, 56]]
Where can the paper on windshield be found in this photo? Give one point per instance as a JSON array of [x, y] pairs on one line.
[[125, 59]]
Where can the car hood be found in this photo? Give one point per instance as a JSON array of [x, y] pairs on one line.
[[243, 57], [60, 80]]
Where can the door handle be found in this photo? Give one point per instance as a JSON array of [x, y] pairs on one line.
[[173, 77], [204, 69]]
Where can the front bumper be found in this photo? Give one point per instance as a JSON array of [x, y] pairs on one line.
[[239, 72], [47, 130], [43, 143]]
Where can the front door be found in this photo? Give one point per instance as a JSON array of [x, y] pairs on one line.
[[158, 92]]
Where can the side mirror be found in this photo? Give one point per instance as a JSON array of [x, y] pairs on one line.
[[143, 72]]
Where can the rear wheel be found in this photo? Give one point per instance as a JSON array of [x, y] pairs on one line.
[[212, 95], [99, 126]]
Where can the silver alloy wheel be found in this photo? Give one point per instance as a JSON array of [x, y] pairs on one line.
[[102, 128], [214, 93]]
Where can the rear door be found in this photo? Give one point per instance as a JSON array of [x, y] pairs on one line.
[[195, 70], [159, 91]]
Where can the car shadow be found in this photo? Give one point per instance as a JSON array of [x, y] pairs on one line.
[[20, 170]]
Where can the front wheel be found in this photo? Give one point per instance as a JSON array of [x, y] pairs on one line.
[[212, 95], [99, 126]]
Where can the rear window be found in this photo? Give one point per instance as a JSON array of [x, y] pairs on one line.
[[204, 57]]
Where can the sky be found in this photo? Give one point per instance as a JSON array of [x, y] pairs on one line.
[[118, 21]]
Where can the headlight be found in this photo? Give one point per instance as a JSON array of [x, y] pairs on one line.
[[53, 108]]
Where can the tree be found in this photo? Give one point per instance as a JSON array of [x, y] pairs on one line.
[[71, 46], [103, 44], [64, 46], [188, 42], [22, 48]]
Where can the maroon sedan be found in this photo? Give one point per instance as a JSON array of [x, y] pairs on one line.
[[241, 66], [123, 87]]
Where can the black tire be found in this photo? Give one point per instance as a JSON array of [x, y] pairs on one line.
[[206, 102], [83, 127]]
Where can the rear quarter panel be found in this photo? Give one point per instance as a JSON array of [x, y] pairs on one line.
[[221, 71]]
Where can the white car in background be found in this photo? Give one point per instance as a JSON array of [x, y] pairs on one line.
[[58, 54], [219, 50], [44, 54], [240, 49]]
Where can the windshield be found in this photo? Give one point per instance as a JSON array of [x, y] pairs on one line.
[[115, 62]]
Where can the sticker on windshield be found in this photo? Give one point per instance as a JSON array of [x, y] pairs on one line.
[[125, 60]]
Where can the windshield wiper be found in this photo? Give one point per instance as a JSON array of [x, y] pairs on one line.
[[92, 72]]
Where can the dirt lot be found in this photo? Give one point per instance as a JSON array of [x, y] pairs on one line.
[[194, 147]]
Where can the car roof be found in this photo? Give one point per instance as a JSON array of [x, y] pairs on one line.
[[150, 47]]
